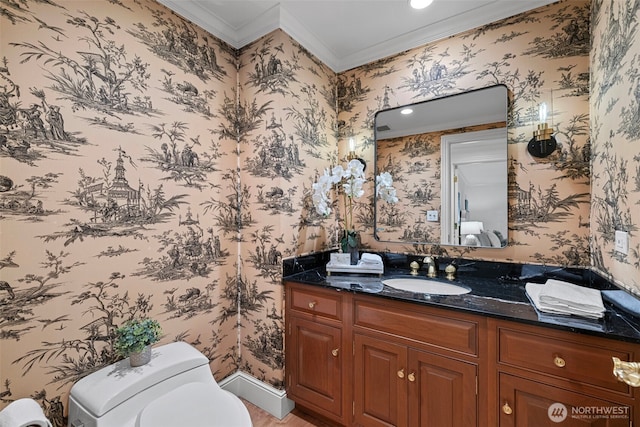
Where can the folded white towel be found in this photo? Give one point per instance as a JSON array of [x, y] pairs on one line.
[[22, 413], [368, 258], [547, 304], [563, 294]]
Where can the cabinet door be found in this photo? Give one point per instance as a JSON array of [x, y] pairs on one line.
[[380, 382], [442, 391], [525, 403], [314, 365]]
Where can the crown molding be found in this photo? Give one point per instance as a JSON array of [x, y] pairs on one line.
[[278, 17]]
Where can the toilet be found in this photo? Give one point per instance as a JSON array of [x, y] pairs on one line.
[[175, 389]]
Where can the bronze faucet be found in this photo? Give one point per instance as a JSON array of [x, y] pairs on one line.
[[430, 262]]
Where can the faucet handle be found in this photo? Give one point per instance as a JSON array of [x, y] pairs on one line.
[[414, 268], [450, 271]]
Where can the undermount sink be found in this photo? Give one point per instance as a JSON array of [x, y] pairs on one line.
[[425, 286]]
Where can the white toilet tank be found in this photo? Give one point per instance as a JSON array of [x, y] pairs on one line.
[[175, 387]]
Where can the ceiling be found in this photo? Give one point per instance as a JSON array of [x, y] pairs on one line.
[[346, 33]]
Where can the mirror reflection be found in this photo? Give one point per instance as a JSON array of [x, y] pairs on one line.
[[448, 158]]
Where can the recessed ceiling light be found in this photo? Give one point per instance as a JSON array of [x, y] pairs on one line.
[[406, 111], [420, 4]]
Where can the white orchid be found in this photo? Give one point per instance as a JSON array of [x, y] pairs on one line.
[[384, 188], [350, 182]]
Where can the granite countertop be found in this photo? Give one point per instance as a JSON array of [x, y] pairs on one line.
[[497, 290]]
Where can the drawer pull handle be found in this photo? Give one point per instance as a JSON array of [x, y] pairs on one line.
[[334, 352], [401, 373], [411, 377], [507, 409], [559, 362], [627, 372], [312, 304]]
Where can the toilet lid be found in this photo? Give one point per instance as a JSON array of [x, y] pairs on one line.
[[195, 405]]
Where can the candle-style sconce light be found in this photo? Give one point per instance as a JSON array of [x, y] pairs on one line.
[[543, 142], [352, 152]]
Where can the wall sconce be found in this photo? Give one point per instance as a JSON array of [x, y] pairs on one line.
[[543, 142], [352, 153]]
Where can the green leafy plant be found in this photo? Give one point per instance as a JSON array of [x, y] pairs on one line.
[[135, 335]]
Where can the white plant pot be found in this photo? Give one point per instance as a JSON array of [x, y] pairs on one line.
[[140, 358]]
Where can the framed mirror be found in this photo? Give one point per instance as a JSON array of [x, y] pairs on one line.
[[448, 159]]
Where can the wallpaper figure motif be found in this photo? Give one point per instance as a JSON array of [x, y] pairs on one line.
[[182, 45], [271, 73], [28, 132], [188, 252], [97, 79], [28, 205], [178, 159], [310, 122]]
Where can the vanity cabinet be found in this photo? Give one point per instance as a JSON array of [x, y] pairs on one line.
[[366, 360], [413, 366], [549, 377], [399, 385], [317, 373]]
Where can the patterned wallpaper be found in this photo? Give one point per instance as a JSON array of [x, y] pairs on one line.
[[541, 56], [615, 139], [148, 169]]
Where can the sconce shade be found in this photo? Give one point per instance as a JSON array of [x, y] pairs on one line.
[[471, 227]]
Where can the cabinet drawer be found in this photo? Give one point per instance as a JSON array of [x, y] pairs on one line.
[[530, 403], [588, 361], [428, 327], [319, 302]]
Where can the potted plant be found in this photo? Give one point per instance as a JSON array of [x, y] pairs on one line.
[[134, 339]]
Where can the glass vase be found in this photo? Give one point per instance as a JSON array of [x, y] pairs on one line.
[[350, 244]]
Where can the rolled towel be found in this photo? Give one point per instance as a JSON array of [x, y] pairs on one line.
[[23, 413], [564, 295]]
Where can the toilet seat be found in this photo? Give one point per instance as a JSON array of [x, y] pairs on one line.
[[195, 405]]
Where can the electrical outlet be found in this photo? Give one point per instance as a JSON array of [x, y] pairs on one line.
[[432, 216], [622, 242]]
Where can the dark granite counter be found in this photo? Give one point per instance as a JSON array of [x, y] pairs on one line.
[[497, 290]]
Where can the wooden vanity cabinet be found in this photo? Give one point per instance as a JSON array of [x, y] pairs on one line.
[[364, 360], [413, 365], [548, 377], [318, 351], [397, 385]]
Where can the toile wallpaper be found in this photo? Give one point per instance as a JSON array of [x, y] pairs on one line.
[[149, 169]]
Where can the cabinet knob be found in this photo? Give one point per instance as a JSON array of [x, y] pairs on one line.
[[401, 373], [411, 377], [334, 352], [507, 409], [312, 304], [559, 362]]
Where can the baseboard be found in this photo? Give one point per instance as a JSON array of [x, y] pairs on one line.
[[260, 394]]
